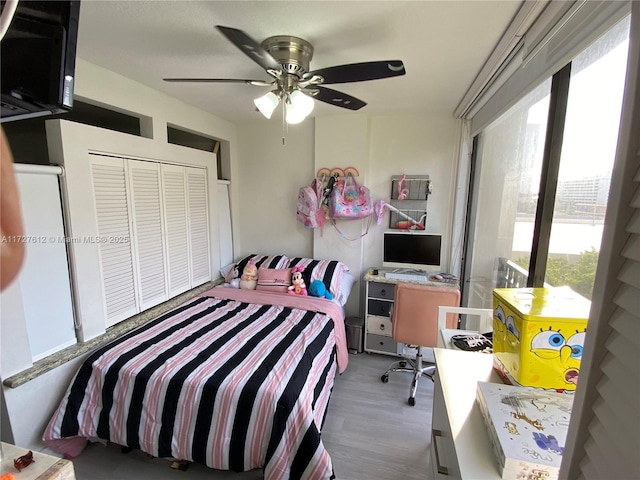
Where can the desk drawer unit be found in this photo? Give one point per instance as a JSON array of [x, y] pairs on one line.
[[383, 291], [379, 325], [381, 344], [379, 307]]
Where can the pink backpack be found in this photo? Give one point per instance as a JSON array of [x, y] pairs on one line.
[[309, 207]]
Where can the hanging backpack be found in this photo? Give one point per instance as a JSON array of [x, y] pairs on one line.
[[309, 207]]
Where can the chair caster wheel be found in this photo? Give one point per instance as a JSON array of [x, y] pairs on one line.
[[384, 378], [412, 401]]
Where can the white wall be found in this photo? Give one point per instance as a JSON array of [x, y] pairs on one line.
[[343, 141], [31, 405], [270, 174]]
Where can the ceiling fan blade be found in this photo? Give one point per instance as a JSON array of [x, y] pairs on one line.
[[333, 97], [257, 83], [250, 48], [359, 72]]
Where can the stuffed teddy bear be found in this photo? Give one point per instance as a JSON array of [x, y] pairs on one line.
[[249, 278], [318, 289], [298, 286]]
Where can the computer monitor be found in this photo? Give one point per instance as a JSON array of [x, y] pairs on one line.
[[412, 250]]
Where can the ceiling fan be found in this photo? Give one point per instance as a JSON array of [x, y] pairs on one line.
[[286, 59]]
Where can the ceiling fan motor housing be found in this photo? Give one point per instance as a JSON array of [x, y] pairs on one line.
[[292, 53]]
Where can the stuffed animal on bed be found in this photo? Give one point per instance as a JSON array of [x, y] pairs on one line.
[[298, 287], [249, 278], [235, 278], [318, 289]]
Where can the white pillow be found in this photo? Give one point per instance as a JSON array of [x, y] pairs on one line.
[[346, 284], [224, 271]]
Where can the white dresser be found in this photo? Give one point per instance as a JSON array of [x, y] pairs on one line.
[[460, 446], [380, 292]]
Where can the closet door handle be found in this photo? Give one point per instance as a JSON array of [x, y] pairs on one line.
[[442, 470]]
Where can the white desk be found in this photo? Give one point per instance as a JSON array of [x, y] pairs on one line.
[[446, 334], [460, 446], [381, 278], [380, 293]]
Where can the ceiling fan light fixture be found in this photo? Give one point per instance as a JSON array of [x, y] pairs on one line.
[[302, 102], [267, 104], [298, 107], [293, 116]]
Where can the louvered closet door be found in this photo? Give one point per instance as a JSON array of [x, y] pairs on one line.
[[174, 195], [146, 209], [198, 225], [112, 216]]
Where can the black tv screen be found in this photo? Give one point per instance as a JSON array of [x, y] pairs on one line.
[[37, 59], [412, 250]]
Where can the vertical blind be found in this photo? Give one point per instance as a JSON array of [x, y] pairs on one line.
[[604, 433]]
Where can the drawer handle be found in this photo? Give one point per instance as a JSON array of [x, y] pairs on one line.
[[382, 326], [382, 343], [441, 469], [383, 292]]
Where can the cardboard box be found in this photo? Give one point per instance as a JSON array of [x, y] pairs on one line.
[[527, 428], [538, 336]]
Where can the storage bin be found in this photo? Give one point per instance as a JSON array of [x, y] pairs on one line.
[[538, 336], [354, 327]]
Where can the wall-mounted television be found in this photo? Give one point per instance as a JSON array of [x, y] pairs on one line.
[[38, 58], [412, 251]]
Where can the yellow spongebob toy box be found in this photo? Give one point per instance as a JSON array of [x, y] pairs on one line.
[[538, 336]]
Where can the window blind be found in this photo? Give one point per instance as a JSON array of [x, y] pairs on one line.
[[547, 47], [604, 433]]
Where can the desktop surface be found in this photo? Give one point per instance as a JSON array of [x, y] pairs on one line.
[[420, 277]]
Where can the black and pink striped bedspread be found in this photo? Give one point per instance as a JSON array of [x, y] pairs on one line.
[[227, 383]]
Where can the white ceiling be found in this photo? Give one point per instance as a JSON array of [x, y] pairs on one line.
[[443, 45]]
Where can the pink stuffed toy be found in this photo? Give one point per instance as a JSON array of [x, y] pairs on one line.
[[298, 286]]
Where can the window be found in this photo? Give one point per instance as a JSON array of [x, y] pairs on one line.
[[508, 166], [594, 105], [539, 197]]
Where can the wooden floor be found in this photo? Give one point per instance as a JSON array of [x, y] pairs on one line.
[[370, 432]]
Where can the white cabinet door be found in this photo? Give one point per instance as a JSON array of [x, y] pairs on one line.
[[174, 192], [112, 216], [198, 214], [44, 277], [146, 212]]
